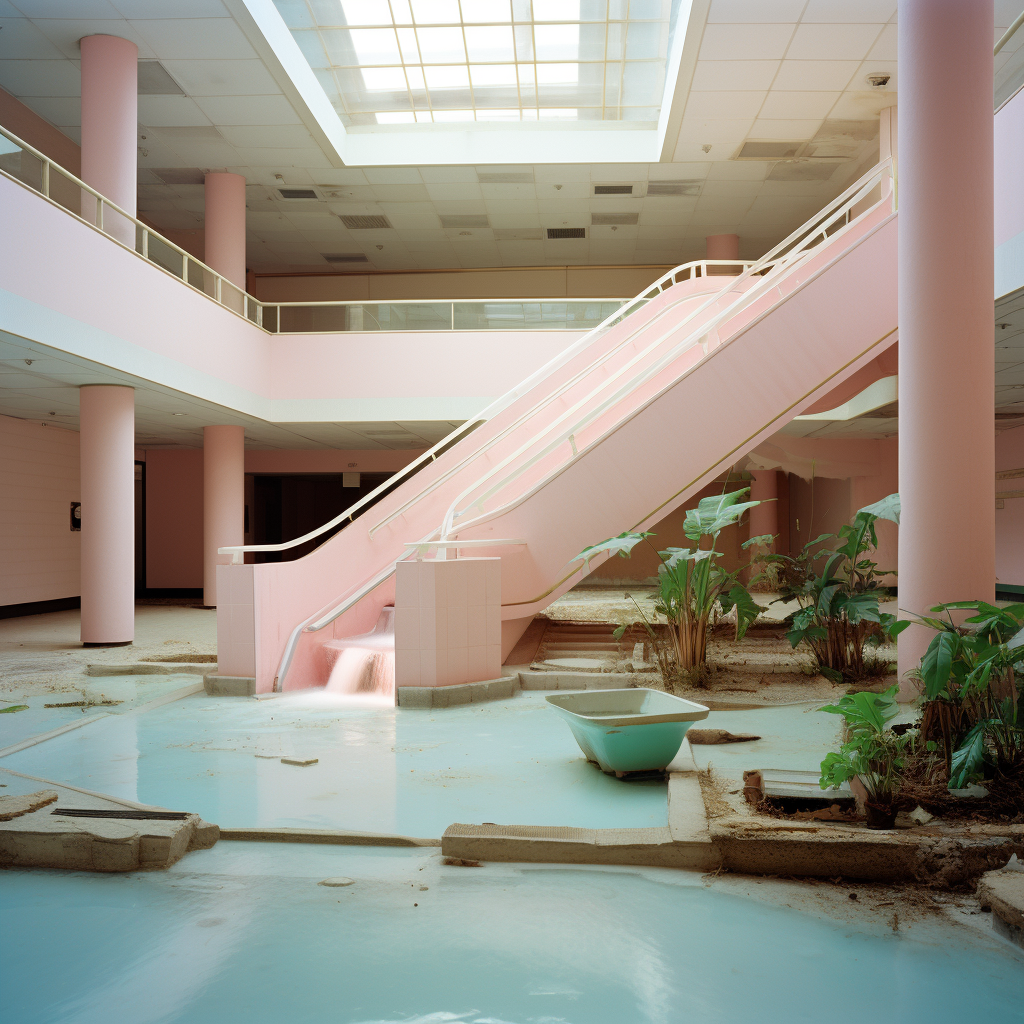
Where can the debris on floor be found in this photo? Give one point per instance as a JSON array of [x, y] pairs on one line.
[[712, 736], [15, 806]]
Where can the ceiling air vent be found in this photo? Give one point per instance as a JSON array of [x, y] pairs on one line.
[[690, 187], [613, 190], [345, 257], [297, 193], [364, 222], [768, 150], [179, 175], [567, 232], [464, 220], [155, 81], [614, 218], [505, 177]]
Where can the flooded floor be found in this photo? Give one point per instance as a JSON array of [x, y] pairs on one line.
[[244, 934]]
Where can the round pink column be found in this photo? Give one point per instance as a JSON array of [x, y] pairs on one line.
[[223, 499], [110, 125], [225, 225], [764, 518], [723, 247], [947, 358], [107, 455]]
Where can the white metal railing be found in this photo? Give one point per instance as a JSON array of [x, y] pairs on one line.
[[757, 280], [33, 169], [406, 315]]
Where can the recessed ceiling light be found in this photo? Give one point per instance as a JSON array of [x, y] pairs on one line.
[[177, 414]]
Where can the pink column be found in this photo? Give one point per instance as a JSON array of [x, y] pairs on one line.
[[723, 247], [107, 447], [947, 359], [764, 487], [110, 129], [223, 499], [225, 227]]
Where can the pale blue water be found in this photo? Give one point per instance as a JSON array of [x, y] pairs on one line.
[[242, 934], [131, 691], [380, 769]]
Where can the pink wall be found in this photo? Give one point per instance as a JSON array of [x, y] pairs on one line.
[[1009, 159], [39, 552], [174, 518], [1010, 518], [385, 365]]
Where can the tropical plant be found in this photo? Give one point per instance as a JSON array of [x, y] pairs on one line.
[[973, 680], [871, 753], [839, 610], [693, 587]]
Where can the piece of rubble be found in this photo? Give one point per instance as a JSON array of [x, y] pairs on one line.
[[919, 816], [15, 806], [43, 839], [711, 736]]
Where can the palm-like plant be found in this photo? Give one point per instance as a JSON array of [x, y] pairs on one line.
[[839, 605], [973, 679], [692, 585]]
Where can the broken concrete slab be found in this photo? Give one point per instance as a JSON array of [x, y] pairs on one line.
[[15, 805], [44, 839], [652, 847], [1003, 892], [229, 686]]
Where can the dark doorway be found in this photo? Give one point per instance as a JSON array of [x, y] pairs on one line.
[[140, 529], [289, 506]]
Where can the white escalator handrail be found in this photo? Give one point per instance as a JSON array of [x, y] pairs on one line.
[[772, 262]]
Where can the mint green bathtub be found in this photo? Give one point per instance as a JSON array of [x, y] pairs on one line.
[[630, 730]]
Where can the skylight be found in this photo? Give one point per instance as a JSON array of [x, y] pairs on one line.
[[413, 62]]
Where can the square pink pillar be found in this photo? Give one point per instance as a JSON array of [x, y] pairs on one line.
[[447, 621]]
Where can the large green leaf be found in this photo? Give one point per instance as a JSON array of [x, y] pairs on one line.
[[968, 761], [747, 609], [621, 545], [714, 513], [937, 663], [862, 607], [866, 711], [764, 540], [888, 508]]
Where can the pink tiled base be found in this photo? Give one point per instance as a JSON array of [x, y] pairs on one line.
[[447, 622], [236, 630]]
